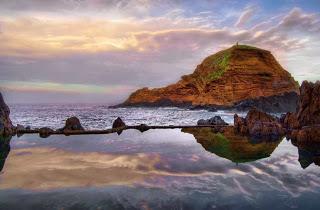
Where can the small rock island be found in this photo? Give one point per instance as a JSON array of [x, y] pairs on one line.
[[238, 77]]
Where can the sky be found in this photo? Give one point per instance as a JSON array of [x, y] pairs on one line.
[[99, 51]]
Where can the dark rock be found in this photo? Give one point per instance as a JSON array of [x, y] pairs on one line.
[[6, 127], [305, 123], [258, 124], [72, 123], [118, 123], [45, 132], [4, 149], [278, 103], [142, 128], [216, 120], [308, 112]]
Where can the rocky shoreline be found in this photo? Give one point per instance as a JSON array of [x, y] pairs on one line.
[[286, 102], [301, 126]]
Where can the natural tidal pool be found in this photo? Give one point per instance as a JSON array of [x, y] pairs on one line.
[[157, 169]]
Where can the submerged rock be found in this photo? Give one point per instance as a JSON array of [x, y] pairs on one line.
[[216, 120], [258, 124], [6, 127], [72, 123]]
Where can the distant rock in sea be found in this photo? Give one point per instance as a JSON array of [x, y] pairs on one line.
[[239, 77]]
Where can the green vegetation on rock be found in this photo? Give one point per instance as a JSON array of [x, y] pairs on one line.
[[219, 62]]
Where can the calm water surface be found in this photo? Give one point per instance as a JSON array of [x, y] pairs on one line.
[[157, 169]]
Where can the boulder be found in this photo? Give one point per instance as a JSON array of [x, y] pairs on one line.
[[142, 128], [118, 123], [6, 127], [45, 132], [216, 120], [258, 124], [72, 123]]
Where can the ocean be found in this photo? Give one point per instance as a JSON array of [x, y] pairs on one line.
[[156, 169]]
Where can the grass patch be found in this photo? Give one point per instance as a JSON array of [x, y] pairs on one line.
[[219, 62]]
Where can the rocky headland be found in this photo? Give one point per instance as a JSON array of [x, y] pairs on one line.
[[239, 77]]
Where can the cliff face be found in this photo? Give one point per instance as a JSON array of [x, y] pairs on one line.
[[6, 126], [223, 79]]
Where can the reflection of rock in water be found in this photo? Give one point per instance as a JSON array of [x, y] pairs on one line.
[[308, 154], [4, 149], [229, 145]]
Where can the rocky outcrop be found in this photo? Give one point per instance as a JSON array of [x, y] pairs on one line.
[[216, 120], [72, 123], [118, 123], [258, 124], [6, 127], [45, 132], [304, 125], [238, 77]]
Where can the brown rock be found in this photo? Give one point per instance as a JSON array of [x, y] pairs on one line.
[[223, 79], [6, 127], [289, 121], [306, 121], [309, 104], [72, 123], [258, 124]]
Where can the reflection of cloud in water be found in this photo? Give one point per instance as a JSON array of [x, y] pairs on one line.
[[44, 168]]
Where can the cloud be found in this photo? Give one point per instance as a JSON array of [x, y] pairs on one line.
[[245, 16], [154, 51]]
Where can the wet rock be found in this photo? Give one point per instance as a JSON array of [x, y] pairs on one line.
[[118, 123], [309, 104], [258, 124], [306, 121], [72, 123], [289, 121], [143, 127], [6, 127], [45, 132], [216, 120]]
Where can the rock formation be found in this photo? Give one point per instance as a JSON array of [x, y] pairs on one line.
[[304, 125], [238, 77], [216, 120], [118, 123], [6, 127], [72, 123], [258, 124]]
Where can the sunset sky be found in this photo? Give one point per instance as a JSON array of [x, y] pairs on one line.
[[87, 51]]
